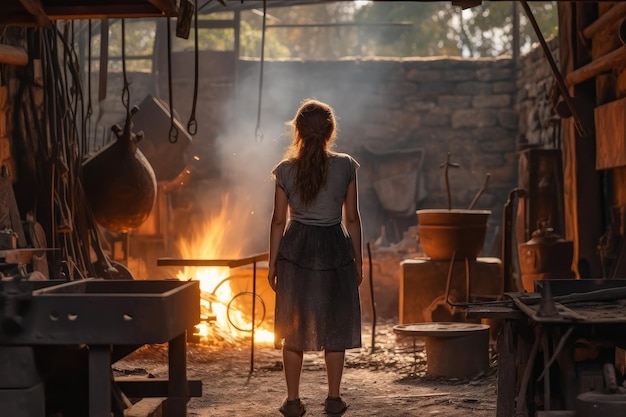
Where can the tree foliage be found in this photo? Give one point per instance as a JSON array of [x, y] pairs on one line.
[[336, 29], [396, 28], [439, 28]]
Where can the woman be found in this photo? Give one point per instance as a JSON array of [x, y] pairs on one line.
[[315, 261]]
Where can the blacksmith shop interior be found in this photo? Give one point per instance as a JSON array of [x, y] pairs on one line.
[[136, 194]]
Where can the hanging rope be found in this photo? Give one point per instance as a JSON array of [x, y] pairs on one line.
[[173, 135], [258, 131], [192, 124]]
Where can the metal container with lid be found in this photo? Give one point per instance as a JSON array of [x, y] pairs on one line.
[[545, 256], [453, 349]]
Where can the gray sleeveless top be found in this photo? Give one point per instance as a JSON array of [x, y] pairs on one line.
[[326, 209]]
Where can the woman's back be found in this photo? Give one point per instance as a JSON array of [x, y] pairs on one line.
[[326, 208]]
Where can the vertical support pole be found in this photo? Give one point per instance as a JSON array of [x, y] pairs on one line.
[[178, 387], [253, 317], [516, 34], [100, 381]]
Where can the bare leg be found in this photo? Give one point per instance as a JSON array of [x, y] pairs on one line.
[[292, 361], [334, 371]]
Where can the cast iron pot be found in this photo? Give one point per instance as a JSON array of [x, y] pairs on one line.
[[119, 182]]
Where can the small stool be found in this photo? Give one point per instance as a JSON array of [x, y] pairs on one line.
[[457, 350]]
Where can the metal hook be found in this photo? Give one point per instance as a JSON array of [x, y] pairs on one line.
[[258, 134], [173, 134]]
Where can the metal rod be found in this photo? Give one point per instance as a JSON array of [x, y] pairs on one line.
[[480, 191], [556, 352], [555, 70], [445, 167], [449, 279], [467, 279], [253, 317], [546, 384], [231, 263], [369, 256], [345, 24]]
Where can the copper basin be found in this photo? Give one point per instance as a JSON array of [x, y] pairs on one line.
[[446, 233]]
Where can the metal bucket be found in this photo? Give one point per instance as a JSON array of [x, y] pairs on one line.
[[454, 350]]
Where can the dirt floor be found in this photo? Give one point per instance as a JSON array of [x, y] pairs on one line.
[[391, 381]]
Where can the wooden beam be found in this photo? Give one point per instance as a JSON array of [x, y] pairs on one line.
[[13, 55], [603, 64], [35, 8], [610, 16], [169, 7]]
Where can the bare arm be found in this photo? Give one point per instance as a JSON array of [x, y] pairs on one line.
[[277, 228], [352, 219]]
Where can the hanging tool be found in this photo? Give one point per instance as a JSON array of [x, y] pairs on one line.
[[173, 134], [259, 132], [192, 124], [183, 21], [555, 71]]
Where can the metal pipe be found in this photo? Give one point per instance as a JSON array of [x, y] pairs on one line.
[[507, 239], [369, 256]]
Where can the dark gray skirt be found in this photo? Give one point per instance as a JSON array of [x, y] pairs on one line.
[[317, 294]]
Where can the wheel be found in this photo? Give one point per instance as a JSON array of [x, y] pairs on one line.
[[240, 308]]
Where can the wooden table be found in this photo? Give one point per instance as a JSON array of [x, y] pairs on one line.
[[552, 329]]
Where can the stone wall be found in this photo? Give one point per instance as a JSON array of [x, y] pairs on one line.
[[396, 116], [535, 84], [414, 111], [397, 107]]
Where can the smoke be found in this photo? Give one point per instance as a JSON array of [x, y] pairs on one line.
[[257, 137]]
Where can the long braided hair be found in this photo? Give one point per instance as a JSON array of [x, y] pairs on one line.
[[314, 131]]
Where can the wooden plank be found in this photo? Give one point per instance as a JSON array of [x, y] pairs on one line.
[[613, 14], [169, 7], [35, 8], [13, 55], [507, 372], [610, 134], [601, 65], [153, 387]]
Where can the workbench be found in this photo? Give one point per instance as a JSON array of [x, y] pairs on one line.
[[553, 343]]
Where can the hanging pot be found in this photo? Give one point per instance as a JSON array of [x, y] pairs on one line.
[[119, 182]]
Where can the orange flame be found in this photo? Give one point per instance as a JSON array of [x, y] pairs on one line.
[[225, 301]]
